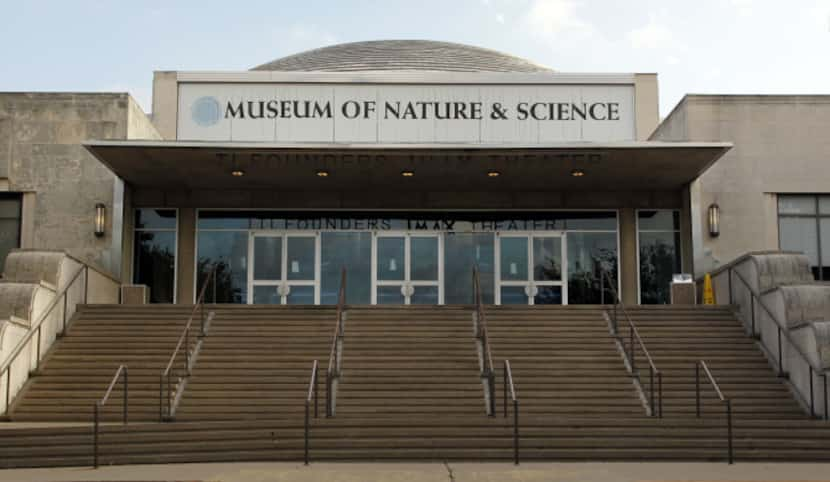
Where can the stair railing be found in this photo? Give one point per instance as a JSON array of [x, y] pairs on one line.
[[311, 395], [61, 299], [726, 401], [630, 349], [481, 335], [812, 369], [183, 347], [121, 374], [336, 352], [510, 388]]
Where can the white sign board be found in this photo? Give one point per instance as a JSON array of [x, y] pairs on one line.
[[393, 114]]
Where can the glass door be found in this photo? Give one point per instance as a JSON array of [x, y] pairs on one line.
[[406, 269], [531, 269], [285, 269]]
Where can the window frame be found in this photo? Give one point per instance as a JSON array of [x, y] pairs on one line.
[[637, 232], [817, 216], [19, 198], [175, 232]]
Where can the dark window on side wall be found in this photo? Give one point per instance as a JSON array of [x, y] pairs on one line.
[[154, 252], [804, 226], [658, 237], [10, 213]]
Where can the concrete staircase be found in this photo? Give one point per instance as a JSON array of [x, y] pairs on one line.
[[78, 368], [256, 361], [410, 362], [677, 337], [410, 391], [564, 361]]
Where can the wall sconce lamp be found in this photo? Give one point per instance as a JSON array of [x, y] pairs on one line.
[[100, 219], [714, 220]]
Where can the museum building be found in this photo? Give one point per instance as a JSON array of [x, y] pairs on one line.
[[409, 164]]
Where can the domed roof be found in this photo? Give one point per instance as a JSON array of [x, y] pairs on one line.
[[402, 55]]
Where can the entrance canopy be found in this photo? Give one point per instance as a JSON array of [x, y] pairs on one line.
[[608, 166]]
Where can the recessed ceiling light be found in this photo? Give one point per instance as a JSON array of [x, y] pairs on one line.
[[407, 173], [493, 174], [577, 173], [322, 173], [237, 173]]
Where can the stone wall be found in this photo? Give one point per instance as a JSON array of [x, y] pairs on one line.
[[780, 147], [41, 153]]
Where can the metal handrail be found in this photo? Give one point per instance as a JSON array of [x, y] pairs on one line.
[[36, 329], [184, 341], [508, 383], [786, 335], [98, 405], [312, 393], [655, 398], [333, 370], [481, 334], [702, 364]]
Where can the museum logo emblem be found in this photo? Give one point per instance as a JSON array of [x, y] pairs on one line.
[[206, 111]]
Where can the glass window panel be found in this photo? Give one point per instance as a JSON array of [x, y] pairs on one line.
[[267, 258], [266, 295], [9, 238], [547, 259], [391, 265], [659, 260], [423, 258], [424, 295], [662, 220], [300, 295], [513, 254], [154, 263], [155, 218], [824, 204], [799, 234], [548, 295], [302, 255], [10, 206], [390, 295], [513, 295], [230, 250], [588, 255], [796, 204], [462, 252], [352, 251], [223, 220]]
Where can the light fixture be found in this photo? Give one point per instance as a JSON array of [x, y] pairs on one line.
[[100, 219], [714, 220], [322, 173], [407, 173], [237, 173], [577, 173], [493, 174]]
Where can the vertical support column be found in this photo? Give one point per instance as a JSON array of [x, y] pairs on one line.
[[628, 256], [186, 257]]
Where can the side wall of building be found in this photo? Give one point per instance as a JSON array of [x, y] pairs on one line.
[[781, 146], [41, 155]]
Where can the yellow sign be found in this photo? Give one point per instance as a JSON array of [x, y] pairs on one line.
[[708, 292]]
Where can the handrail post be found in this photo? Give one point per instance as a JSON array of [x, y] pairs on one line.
[[126, 395], [660, 389], [729, 429], [9, 387], [729, 274], [214, 282], [515, 432], [780, 354], [316, 372], [812, 395], [161, 398], [697, 389], [491, 382], [752, 311], [505, 388], [95, 435], [826, 415], [651, 388], [305, 451]]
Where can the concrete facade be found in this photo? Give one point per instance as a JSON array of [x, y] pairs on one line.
[[41, 156], [781, 147]]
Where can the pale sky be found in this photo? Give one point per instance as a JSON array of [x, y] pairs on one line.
[[699, 46]]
